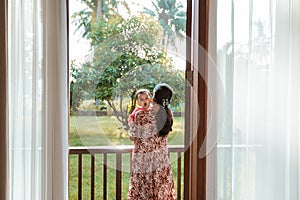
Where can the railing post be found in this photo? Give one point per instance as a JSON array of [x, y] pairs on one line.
[[79, 176], [119, 176], [178, 175], [105, 150], [92, 176], [104, 176]]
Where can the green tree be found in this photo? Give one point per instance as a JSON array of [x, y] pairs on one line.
[[171, 17], [127, 55], [126, 58], [96, 9]]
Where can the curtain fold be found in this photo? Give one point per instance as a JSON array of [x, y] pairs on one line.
[[258, 44], [38, 110]]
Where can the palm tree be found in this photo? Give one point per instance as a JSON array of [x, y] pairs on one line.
[[96, 9], [172, 18]]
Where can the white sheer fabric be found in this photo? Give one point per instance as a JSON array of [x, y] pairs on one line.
[[38, 110], [258, 45]]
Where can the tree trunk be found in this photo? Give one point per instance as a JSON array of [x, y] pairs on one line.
[[121, 115], [99, 9]]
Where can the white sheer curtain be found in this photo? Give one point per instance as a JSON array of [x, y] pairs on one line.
[[258, 45], [38, 110]]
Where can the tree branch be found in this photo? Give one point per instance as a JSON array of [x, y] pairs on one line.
[[119, 117]]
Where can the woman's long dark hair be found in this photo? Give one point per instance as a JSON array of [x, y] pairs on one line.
[[162, 95]]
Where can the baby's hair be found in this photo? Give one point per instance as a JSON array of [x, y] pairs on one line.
[[141, 91], [162, 95]]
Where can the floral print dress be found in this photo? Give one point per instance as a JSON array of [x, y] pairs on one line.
[[151, 175]]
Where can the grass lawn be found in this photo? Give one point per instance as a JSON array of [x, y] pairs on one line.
[[107, 131]]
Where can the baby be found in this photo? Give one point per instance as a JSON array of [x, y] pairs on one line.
[[138, 116], [143, 100]]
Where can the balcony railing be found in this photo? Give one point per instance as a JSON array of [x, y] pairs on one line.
[[118, 151]]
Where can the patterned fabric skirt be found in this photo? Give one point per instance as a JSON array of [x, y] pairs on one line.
[[151, 177]]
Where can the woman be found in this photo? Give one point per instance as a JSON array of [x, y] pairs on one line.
[[151, 174]]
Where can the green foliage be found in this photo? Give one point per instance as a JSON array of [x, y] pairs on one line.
[[76, 93], [171, 17], [81, 85], [126, 56], [82, 19], [86, 17]]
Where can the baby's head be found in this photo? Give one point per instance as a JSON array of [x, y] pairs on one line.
[[143, 98]]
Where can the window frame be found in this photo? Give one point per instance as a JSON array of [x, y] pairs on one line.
[[195, 169], [3, 102]]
